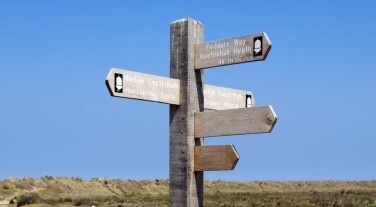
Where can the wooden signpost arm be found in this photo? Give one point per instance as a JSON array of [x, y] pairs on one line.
[[253, 120], [186, 185], [220, 157]]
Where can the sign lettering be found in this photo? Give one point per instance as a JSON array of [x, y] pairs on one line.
[[232, 51], [134, 85]]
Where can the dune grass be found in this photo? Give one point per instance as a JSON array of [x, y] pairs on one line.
[[65, 192]]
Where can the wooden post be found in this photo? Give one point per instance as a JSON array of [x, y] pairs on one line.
[[186, 185]]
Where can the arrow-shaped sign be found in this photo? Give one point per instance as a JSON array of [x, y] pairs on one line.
[[252, 120], [222, 157], [232, 51], [220, 98], [129, 84]]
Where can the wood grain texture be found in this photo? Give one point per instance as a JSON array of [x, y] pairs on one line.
[[221, 157], [186, 185], [160, 89], [230, 51], [252, 120]]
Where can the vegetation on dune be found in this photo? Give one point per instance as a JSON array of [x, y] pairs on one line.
[[66, 192]]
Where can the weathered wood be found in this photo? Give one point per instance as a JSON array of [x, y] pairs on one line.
[[221, 157], [252, 120], [144, 86], [148, 87], [186, 185], [236, 50]]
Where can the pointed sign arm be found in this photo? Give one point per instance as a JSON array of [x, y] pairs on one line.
[[141, 86], [254, 120], [220, 157]]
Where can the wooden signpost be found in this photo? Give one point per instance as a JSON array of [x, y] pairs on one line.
[[187, 96]]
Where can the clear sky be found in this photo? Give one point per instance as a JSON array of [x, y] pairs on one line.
[[57, 117]]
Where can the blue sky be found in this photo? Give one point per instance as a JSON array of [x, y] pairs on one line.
[[57, 117]]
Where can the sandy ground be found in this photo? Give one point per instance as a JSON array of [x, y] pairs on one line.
[[4, 203]]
